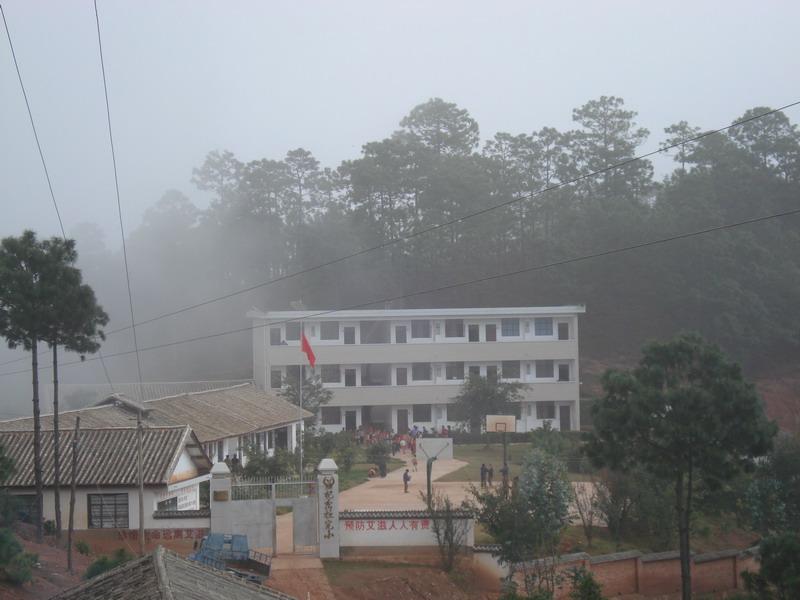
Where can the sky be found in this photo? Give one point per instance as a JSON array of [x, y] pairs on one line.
[[260, 78]]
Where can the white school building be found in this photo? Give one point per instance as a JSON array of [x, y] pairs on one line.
[[397, 368]]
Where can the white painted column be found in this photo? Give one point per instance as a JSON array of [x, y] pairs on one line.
[[328, 502], [292, 436]]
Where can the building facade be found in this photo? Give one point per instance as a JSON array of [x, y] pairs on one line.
[[398, 368], [107, 491]]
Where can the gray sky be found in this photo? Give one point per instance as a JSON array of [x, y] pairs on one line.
[[259, 78]]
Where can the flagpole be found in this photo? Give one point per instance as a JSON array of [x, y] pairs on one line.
[[302, 427]]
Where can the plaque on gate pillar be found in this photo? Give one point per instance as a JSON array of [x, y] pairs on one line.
[[328, 490]]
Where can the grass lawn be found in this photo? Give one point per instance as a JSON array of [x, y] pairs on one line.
[[358, 472], [476, 454]]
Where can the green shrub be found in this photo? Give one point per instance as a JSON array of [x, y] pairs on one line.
[[82, 547], [584, 586], [106, 563], [9, 547], [20, 569], [49, 527]]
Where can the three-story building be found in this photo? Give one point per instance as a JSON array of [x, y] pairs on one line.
[[397, 368]]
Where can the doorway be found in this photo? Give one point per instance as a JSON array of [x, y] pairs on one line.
[[402, 420], [350, 420], [564, 415]]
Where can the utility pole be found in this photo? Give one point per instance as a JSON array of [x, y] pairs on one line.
[[73, 485], [141, 481]]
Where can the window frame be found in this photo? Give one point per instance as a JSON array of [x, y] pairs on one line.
[[504, 371], [376, 366], [509, 322], [545, 362], [292, 326], [329, 324], [459, 328], [417, 323], [454, 365], [272, 374], [330, 369], [421, 365], [493, 328], [118, 520], [329, 409], [542, 331], [425, 409], [397, 371], [275, 340], [545, 405]]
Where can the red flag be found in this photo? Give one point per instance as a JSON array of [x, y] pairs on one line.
[[306, 347]]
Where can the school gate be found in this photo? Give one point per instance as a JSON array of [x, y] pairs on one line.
[[249, 507]]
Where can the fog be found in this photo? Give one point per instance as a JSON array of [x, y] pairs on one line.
[[260, 79]]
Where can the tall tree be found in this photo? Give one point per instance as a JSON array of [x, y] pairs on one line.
[[528, 523], [686, 415], [27, 298], [75, 323], [481, 396]]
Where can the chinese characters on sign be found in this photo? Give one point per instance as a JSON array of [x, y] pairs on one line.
[[328, 515], [384, 525]]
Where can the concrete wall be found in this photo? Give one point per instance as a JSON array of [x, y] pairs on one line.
[[253, 518], [443, 394], [384, 530], [646, 574], [439, 352]]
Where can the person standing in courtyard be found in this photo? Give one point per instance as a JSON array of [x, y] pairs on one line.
[[490, 474], [483, 475], [414, 462], [406, 480]]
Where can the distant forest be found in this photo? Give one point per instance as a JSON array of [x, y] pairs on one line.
[[269, 218]]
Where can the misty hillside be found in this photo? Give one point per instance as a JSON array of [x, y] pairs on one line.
[[272, 217]]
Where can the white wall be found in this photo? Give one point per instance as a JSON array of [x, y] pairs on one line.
[[390, 532], [152, 495]]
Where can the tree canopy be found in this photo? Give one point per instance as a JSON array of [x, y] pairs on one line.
[[686, 415]]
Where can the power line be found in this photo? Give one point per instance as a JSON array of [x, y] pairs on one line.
[[44, 166], [33, 125], [456, 220], [116, 188], [540, 267]]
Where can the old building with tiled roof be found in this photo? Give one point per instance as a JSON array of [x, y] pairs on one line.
[[224, 420], [174, 466], [164, 575]]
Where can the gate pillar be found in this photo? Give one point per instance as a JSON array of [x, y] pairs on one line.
[[328, 490]]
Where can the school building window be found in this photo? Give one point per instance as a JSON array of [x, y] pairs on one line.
[[545, 410], [275, 379], [422, 413], [454, 370], [454, 328], [420, 329], [275, 336], [329, 330], [510, 369], [293, 331], [543, 326], [544, 369], [331, 374], [331, 415], [421, 372], [509, 327]]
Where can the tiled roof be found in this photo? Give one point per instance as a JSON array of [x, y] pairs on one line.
[[105, 457], [212, 415], [164, 575]]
